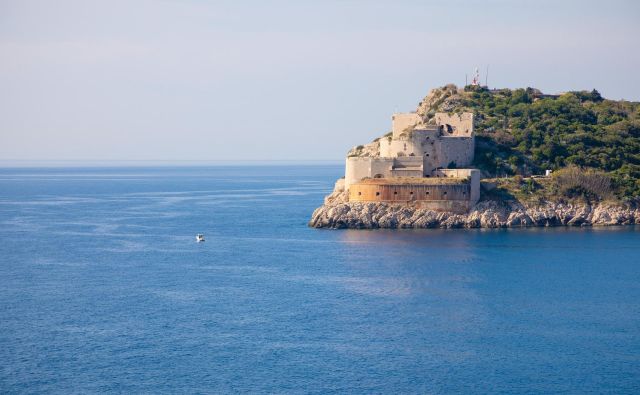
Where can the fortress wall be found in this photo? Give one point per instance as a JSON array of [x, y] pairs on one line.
[[475, 187], [448, 197], [418, 143], [461, 124], [381, 167], [428, 149], [401, 121], [358, 168], [455, 149], [474, 179], [371, 192], [385, 147], [454, 173], [401, 146], [408, 166], [407, 161], [413, 172], [429, 165]]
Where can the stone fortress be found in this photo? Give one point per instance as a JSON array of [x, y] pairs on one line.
[[420, 175], [423, 160]]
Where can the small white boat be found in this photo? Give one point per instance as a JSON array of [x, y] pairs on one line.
[[199, 237]]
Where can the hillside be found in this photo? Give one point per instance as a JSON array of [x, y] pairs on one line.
[[523, 132]]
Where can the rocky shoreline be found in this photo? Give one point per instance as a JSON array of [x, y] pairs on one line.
[[337, 213]]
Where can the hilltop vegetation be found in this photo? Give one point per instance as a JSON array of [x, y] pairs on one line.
[[523, 132]]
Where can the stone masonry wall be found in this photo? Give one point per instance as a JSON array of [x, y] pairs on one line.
[[461, 124]]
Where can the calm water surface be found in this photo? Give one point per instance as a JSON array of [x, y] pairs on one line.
[[103, 289]]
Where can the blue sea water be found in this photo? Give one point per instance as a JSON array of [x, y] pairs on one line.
[[103, 289]]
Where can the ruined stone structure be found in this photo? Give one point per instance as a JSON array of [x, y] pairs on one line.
[[411, 163]]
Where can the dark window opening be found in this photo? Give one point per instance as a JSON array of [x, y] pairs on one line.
[[410, 193], [359, 193], [395, 193], [444, 193], [427, 192], [377, 193]]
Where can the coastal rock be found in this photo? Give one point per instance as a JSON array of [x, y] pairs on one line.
[[337, 213]]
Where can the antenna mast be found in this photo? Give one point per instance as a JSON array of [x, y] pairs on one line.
[[476, 78], [486, 77]]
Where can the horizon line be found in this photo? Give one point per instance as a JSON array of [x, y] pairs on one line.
[[25, 163]]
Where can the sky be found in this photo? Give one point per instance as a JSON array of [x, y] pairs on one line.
[[279, 80]]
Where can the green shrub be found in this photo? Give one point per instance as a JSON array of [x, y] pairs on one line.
[[522, 132], [573, 181]]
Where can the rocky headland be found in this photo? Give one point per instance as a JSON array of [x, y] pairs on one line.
[[570, 159], [337, 213]]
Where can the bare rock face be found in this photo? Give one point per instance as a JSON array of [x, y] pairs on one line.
[[439, 99], [337, 213], [338, 195], [371, 149]]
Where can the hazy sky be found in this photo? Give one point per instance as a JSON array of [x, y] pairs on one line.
[[218, 80]]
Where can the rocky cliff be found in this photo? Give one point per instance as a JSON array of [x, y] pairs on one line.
[[336, 212]]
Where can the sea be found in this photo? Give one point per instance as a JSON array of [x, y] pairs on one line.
[[103, 289]]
